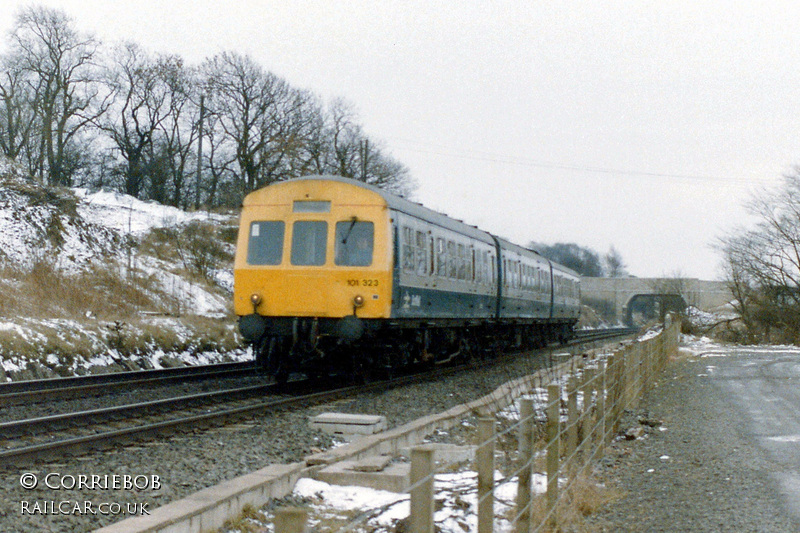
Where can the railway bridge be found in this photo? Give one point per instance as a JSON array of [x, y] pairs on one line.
[[626, 299]]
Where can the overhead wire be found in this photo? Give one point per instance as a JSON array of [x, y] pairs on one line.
[[477, 155]]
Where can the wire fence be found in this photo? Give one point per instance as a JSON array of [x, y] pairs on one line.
[[568, 418]]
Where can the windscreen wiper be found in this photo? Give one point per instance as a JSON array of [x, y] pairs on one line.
[[349, 230]]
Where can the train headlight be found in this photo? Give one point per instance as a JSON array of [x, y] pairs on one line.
[[358, 301], [255, 299]]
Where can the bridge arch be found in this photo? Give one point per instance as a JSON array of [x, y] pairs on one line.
[[643, 307]]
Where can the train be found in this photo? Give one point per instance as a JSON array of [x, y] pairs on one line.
[[334, 275]]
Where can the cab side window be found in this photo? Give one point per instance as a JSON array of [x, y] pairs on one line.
[[309, 242], [265, 244], [354, 243]]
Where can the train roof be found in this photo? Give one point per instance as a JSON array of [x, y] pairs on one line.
[[411, 208], [419, 211], [528, 251]]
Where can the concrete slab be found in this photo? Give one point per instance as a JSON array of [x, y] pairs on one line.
[[376, 463], [445, 454], [394, 478], [379, 472], [349, 424]]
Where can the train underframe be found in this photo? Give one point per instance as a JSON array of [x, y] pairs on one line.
[[320, 347]]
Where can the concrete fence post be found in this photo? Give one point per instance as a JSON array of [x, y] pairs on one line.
[[484, 457], [645, 353], [525, 459], [291, 520], [572, 420], [636, 370], [616, 390], [627, 361], [601, 408], [585, 425], [553, 449], [658, 354], [589, 412], [422, 496]]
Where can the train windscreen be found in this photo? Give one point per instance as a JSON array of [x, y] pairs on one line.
[[354, 243], [265, 245], [309, 242]]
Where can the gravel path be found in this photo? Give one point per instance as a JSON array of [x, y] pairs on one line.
[[697, 472]]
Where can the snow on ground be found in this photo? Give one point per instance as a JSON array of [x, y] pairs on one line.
[[706, 347], [73, 229], [96, 230], [131, 217], [127, 215], [195, 299], [457, 503], [91, 346]]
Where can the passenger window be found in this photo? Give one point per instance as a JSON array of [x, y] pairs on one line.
[[408, 249], [422, 254], [309, 242], [431, 257], [452, 267], [354, 243], [441, 257], [462, 262], [265, 245]]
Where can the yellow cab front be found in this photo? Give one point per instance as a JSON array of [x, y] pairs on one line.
[[314, 247]]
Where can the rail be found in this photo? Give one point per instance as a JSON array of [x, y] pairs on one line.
[[16, 392]]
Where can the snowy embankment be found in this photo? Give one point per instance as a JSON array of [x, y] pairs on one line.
[[174, 317]]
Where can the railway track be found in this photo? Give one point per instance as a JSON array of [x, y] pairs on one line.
[[41, 390], [98, 429], [601, 334], [80, 432]]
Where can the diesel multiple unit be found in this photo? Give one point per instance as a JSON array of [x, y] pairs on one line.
[[333, 274]]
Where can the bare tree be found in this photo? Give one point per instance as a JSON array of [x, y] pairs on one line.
[[220, 163], [180, 129], [614, 266], [354, 155], [581, 259], [243, 96], [286, 134], [313, 155], [140, 105], [674, 283], [59, 61], [346, 139], [17, 115], [763, 262]]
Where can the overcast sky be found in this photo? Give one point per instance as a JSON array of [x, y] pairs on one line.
[[642, 125]]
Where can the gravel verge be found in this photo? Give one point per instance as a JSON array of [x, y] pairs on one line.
[[694, 472]]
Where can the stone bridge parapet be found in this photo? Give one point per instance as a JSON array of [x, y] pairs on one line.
[[616, 293]]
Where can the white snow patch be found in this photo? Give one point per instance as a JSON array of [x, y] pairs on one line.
[[785, 438], [456, 495], [129, 215]]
